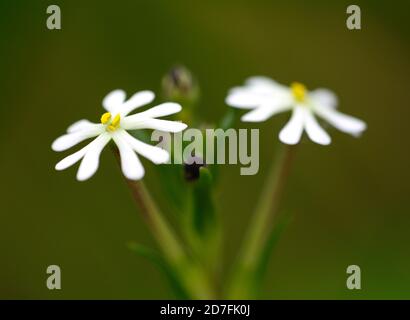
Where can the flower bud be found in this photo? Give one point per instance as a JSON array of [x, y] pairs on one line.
[[191, 169], [178, 85]]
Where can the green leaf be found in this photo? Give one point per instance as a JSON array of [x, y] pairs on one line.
[[174, 187], [157, 259], [266, 253], [204, 233], [171, 177], [229, 119], [203, 205]]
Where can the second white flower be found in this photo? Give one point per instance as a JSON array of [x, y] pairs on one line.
[[266, 98]]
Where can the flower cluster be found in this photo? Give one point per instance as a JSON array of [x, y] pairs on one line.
[[263, 96]]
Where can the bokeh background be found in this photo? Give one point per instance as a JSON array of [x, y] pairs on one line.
[[350, 200]]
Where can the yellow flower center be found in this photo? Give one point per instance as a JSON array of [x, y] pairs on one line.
[[298, 91], [113, 124]]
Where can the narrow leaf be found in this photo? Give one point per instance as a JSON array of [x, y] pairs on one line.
[[157, 259]]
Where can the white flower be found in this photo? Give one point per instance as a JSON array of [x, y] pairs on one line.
[[114, 125], [267, 98]]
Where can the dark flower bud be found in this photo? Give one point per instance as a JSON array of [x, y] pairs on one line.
[[191, 169]]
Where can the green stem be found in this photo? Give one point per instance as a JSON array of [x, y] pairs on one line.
[[155, 221], [261, 226], [190, 273]]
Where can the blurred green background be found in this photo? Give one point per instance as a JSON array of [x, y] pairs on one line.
[[350, 200]]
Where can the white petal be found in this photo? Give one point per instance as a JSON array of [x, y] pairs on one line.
[[80, 125], [161, 110], [155, 154], [91, 160], [263, 112], [259, 91], [314, 130], [324, 97], [341, 121], [260, 80], [265, 84], [114, 100], [71, 159], [139, 99], [156, 124], [71, 139], [244, 99], [291, 133], [130, 164]]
